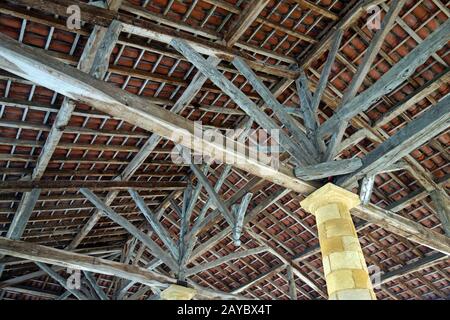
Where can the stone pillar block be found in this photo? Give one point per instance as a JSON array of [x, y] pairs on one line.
[[344, 265]]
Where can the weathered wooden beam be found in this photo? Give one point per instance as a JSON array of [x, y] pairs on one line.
[[238, 96], [442, 208], [108, 42], [157, 227], [217, 262], [247, 17], [309, 116], [414, 97], [98, 291], [363, 69], [404, 227], [191, 236], [212, 193], [21, 217], [297, 134], [292, 285], [77, 261], [409, 268], [74, 185], [326, 70], [351, 17], [397, 166], [64, 296], [154, 247], [51, 73], [390, 80], [103, 17], [62, 282], [357, 137], [328, 169], [23, 214], [211, 242], [95, 54], [417, 132]]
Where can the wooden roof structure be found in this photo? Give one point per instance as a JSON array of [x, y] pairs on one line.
[[87, 179]]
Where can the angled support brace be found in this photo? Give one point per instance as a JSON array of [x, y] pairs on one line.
[[239, 213], [98, 291], [244, 102], [154, 247], [366, 189], [156, 225], [298, 135], [55, 276], [212, 193]]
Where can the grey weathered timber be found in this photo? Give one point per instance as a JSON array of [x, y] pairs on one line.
[[428, 125], [239, 97], [292, 285], [121, 292], [62, 282], [55, 134], [23, 214], [357, 137], [154, 248], [202, 248], [239, 214], [74, 185], [250, 13], [309, 116], [21, 217], [16, 280], [157, 227], [359, 9], [191, 236], [90, 54], [101, 60], [66, 259], [361, 73], [326, 70], [390, 80], [221, 260], [404, 227], [413, 98], [212, 193], [418, 265], [98, 291], [298, 135], [328, 169], [442, 208], [398, 166], [103, 17], [39, 253], [373, 50], [123, 104], [366, 189]]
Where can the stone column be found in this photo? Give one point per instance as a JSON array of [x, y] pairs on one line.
[[177, 292], [344, 265]]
